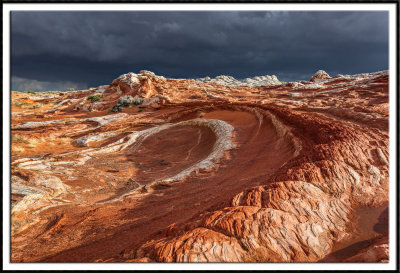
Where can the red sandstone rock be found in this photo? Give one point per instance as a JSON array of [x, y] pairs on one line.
[[200, 171], [378, 251]]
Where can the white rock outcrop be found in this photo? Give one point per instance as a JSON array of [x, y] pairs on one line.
[[266, 80], [319, 75]]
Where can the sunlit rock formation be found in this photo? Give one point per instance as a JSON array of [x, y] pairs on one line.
[[152, 169]]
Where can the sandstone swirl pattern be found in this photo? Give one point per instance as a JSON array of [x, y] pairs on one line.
[[206, 170]]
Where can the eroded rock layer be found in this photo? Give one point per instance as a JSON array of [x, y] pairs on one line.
[[150, 169]]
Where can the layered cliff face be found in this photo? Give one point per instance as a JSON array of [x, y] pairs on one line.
[[208, 170]]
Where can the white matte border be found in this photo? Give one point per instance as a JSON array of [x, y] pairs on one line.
[[200, 7]]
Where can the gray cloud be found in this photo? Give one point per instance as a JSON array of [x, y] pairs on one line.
[[189, 44], [21, 84]]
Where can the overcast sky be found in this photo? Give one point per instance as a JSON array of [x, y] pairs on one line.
[[59, 50]]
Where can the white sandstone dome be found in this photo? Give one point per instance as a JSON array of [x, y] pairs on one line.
[[319, 75]]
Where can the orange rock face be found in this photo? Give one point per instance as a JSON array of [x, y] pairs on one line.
[[183, 170]]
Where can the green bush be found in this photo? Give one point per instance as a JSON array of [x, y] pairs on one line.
[[125, 100], [94, 97], [116, 108], [137, 100], [31, 92]]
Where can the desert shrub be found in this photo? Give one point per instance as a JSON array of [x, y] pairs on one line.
[[140, 110], [31, 92], [37, 105], [71, 89], [116, 108], [126, 100], [94, 97], [137, 100]]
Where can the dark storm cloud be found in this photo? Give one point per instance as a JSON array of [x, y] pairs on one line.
[[95, 47]]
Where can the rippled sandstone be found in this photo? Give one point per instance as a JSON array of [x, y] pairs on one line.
[[150, 169]]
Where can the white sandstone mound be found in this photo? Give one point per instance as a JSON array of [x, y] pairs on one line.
[[231, 81], [319, 75], [133, 79]]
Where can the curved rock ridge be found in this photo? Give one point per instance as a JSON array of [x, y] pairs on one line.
[[313, 208], [38, 196], [277, 223], [223, 132], [152, 169], [40, 191]]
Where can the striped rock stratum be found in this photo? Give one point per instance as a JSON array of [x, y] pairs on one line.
[[151, 169]]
